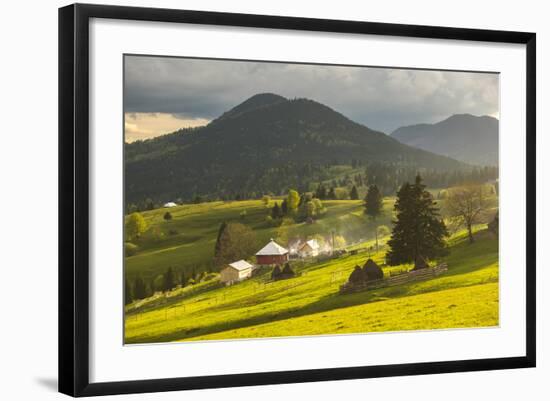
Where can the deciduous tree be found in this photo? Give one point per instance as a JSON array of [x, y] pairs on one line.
[[135, 225], [466, 206], [236, 242]]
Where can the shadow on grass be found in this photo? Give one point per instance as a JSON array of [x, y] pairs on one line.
[[466, 257], [170, 301]]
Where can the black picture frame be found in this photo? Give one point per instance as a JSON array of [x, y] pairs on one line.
[[74, 198]]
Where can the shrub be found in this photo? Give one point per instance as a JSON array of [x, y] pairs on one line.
[[157, 234], [209, 276], [167, 216], [339, 241], [130, 249], [276, 273], [287, 271]]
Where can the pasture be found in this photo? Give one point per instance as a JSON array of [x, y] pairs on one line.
[[187, 241], [465, 296]]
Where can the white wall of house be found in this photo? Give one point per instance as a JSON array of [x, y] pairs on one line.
[[230, 275]]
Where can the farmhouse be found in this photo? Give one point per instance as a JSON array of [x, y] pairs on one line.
[[272, 254], [309, 248], [235, 272]]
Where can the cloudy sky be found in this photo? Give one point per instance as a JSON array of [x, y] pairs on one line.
[[164, 94]]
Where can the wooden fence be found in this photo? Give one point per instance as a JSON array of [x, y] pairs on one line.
[[415, 275]]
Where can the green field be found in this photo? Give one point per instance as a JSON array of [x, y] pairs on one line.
[[187, 241], [465, 296]]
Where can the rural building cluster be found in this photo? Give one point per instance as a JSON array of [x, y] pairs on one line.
[[272, 254]]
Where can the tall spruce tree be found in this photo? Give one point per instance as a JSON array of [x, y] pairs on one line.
[[140, 290], [276, 211], [321, 192], [354, 195], [128, 298], [373, 206], [418, 231], [218, 246], [168, 280], [284, 207]]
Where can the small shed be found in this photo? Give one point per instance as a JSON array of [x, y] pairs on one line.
[[170, 204], [309, 249], [272, 254], [235, 272]]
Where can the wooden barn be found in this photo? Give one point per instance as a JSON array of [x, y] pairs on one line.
[[309, 249], [272, 254], [235, 272]]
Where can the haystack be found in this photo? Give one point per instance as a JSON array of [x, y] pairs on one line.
[[372, 271], [357, 276]]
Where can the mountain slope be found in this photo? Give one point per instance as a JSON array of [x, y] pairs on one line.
[[265, 144], [462, 136]]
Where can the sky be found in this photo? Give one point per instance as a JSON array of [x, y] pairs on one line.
[[164, 94]]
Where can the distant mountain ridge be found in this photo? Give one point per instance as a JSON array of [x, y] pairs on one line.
[[464, 137], [265, 144]]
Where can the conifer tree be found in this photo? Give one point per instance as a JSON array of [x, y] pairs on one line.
[[168, 280], [183, 279], [276, 211], [321, 192], [284, 207], [354, 195], [287, 271], [128, 298], [418, 231], [140, 291], [331, 193], [373, 206], [217, 247], [276, 273]]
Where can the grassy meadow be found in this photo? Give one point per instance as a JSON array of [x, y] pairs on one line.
[[308, 304], [194, 228]]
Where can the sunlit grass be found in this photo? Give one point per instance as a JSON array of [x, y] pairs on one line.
[[465, 296]]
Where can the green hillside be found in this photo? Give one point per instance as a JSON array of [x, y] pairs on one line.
[[187, 241], [465, 296], [266, 144]]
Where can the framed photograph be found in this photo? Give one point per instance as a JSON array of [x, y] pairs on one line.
[[251, 199]]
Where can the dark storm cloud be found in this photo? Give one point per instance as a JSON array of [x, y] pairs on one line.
[[380, 98]]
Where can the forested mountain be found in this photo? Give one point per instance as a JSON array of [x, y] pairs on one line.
[[464, 137], [265, 144]]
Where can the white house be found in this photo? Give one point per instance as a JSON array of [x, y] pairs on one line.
[[170, 204], [309, 248], [235, 272]]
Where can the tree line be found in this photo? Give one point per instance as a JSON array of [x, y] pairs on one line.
[[306, 177], [139, 288]]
